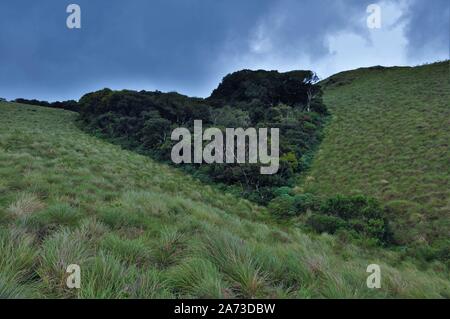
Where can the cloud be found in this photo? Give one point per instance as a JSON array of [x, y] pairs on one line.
[[341, 39], [428, 30], [189, 45]]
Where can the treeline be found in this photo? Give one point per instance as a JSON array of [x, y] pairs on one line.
[[290, 101], [70, 105]]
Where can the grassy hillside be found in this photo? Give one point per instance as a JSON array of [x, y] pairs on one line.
[[141, 229], [389, 138]]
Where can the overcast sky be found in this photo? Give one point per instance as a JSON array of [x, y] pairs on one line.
[[189, 45]]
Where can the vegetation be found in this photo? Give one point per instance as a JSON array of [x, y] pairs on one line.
[[289, 101], [142, 229], [70, 105], [389, 138], [359, 217]]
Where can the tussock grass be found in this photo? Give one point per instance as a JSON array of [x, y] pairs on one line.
[[388, 138], [10, 289], [105, 277], [151, 284], [236, 260], [25, 205], [168, 248], [58, 252], [118, 218], [133, 252], [139, 229], [59, 214], [198, 277], [18, 255]]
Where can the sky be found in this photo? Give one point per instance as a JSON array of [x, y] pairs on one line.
[[188, 46]]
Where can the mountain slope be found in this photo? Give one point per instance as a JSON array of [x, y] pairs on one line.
[[142, 229], [389, 137]]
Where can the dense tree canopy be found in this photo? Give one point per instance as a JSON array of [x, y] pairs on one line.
[[289, 101], [70, 105]]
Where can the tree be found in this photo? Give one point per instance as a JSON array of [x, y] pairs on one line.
[[230, 117], [156, 130], [245, 99]]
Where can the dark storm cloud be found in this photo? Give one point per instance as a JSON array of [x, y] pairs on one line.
[[428, 27], [178, 45], [169, 43]]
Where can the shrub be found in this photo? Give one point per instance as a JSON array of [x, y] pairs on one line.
[[280, 191], [361, 216], [348, 207], [286, 205], [325, 223], [282, 206], [304, 202]]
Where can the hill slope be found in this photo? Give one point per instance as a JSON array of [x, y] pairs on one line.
[[389, 138], [141, 229]]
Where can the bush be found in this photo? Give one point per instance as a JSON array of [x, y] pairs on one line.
[[348, 207], [286, 205], [282, 206], [360, 215], [440, 250], [304, 202], [325, 223], [285, 190]]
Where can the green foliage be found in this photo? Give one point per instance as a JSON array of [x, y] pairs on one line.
[[228, 116], [267, 87], [169, 247], [238, 262], [197, 277], [59, 214], [117, 218], [286, 205], [18, 256], [388, 138], [348, 207], [144, 121], [285, 190], [70, 105], [45, 159], [134, 252], [105, 277], [359, 214], [282, 206], [304, 202], [326, 223], [58, 251]]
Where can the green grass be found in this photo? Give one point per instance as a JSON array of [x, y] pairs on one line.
[[139, 229], [389, 138]]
